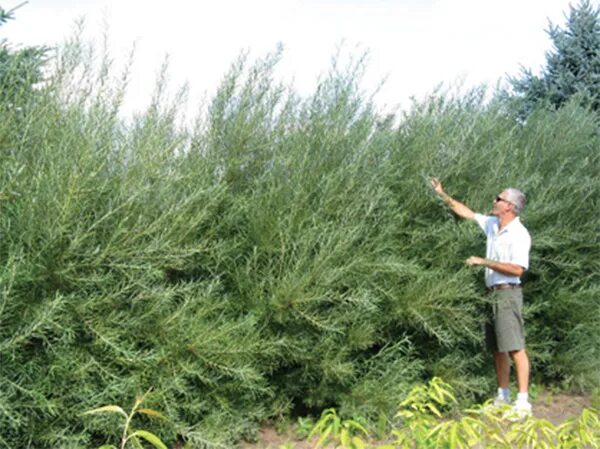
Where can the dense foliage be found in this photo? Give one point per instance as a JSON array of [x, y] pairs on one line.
[[20, 69], [572, 67], [287, 254]]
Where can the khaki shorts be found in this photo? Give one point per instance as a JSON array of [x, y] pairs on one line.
[[504, 332]]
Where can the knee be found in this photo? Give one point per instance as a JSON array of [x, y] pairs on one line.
[[520, 354]]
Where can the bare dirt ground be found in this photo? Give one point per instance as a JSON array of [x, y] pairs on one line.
[[556, 408]]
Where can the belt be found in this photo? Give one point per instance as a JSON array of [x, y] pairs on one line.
[[497, 287]]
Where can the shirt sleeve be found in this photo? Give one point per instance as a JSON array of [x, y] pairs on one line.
[[482, 221]]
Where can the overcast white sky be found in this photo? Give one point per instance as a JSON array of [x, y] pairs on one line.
[[414, 44]]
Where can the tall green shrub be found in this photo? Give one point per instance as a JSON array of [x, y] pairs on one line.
[[286, 254]]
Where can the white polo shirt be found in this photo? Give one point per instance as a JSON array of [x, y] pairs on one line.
[[510, 245]]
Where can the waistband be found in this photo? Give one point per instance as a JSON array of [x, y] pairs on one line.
[[497, 287]]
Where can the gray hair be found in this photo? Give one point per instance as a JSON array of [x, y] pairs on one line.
[[516, 198]]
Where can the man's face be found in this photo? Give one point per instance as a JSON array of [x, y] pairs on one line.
[[501, 205]]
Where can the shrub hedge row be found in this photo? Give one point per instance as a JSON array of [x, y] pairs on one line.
[[284, 255]]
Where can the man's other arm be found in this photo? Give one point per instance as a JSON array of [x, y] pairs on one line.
[[506, 268]]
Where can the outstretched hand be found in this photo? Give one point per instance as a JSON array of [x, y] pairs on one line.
[[437, 185]]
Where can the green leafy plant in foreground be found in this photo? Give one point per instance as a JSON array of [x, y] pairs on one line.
[[425, 424], [332, 429], [129, 434], [420, 412]]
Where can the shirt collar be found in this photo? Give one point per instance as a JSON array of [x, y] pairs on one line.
[[515, 221]]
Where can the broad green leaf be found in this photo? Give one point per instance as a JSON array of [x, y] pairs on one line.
[[501, 439], [324, 436], [434, 410], [106, 409], [351, 424], [469, 426], [336, 426], [108, 446], [548, 432], [358, 443], [150, 412], [150, 438], [454, 437], [437, 393], [136, 441], [438, 432], [345, 437]]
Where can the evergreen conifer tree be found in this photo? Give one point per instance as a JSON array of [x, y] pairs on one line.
[[19, 69], [572, 66]]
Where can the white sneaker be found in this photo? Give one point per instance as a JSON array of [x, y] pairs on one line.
[[519, 411]]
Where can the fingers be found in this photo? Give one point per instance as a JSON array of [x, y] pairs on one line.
[[474, 260], [437, 186]]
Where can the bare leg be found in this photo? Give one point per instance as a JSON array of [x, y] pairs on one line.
[[502, 363], [522, 369]]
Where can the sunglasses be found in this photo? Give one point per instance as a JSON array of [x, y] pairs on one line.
[[498, 199]]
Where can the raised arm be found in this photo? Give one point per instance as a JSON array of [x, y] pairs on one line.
[[457, 207]]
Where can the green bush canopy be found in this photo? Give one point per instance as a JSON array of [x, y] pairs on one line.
[[283, 255]]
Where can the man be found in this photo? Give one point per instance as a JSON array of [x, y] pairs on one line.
[[507, 258]]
